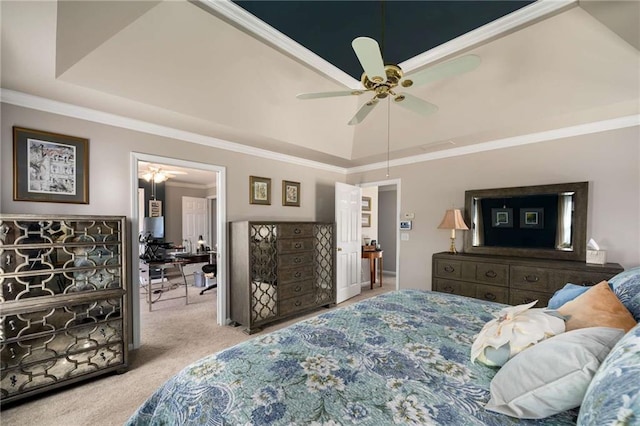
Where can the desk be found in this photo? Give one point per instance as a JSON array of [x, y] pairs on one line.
[[372, 256], [157, 289]]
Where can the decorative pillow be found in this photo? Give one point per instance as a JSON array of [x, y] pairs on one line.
[[613, 397], [552, 376], [626, 285], [598, 307], [566, 294], [515, 329]]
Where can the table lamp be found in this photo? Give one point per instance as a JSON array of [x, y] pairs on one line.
[[453, 220]]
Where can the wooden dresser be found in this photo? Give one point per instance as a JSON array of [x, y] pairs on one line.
[[512, 280], [62, 300], [279, 270]]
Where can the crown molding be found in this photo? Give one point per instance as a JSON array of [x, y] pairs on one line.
[[60, 108], [500, 27], [55, 107], [248, 23], [565, 132]]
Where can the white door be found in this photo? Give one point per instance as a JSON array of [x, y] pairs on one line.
[[194, 221], [348, 240]]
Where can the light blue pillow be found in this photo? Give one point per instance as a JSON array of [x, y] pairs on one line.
[[626, 285], [566, 294], [613, 396]]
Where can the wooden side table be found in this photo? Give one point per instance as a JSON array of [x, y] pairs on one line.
[[372, 256]]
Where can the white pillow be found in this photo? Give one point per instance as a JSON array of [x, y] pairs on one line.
[[515, 329], [553, 375]]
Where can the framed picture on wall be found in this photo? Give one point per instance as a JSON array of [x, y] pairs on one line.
[[50, 167], [155, 208], [366, 220], [290, 193], [259, 190], [366, 204]]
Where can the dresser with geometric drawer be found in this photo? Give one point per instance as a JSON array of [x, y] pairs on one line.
[[279, 270], [512, 280], [63, 287]]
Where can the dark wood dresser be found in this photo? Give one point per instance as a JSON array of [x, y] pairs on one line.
[[279, 270], [512, 280]]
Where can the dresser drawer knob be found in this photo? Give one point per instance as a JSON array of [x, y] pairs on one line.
[[298, 274], [588, 283], [298, 245], [297, 231], [527, 300], [298, 288], [12, 324], [449, 268], [531, 278], [297, 260], [12, 352], [448, 289], [490, 274], [298, 303], [490, 296]]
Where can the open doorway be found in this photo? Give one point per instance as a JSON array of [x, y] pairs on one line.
[[383, 219], [208, 184]]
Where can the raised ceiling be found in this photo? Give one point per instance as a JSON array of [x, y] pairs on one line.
[[189, 67], [403, 29]]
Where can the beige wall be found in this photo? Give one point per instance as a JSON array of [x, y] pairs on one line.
[[609, 161]]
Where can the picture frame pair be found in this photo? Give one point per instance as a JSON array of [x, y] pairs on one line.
[[260, 192], [532, 218]]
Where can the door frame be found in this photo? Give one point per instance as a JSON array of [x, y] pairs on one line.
[[398, 184], [221, 240]]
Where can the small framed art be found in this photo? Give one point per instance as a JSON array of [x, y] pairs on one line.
[[50, 167], [532, 218], [290, 193], [259, 190], [366, 220], [502, 218], [366, 204]]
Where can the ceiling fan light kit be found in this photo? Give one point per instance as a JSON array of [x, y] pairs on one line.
[[383, 79]]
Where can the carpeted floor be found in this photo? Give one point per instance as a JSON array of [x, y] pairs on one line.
[[173, 336]]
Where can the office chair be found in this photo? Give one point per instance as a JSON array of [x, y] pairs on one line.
[[210, 268]]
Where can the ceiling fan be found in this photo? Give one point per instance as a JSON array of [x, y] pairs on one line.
[[157, 174], [382, 80]]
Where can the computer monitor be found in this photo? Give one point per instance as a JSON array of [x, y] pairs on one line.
[[153, 226]]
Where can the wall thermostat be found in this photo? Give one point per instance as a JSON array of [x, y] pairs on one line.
[[405, 225]]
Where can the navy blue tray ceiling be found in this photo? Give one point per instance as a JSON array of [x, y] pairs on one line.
[[410, 27]]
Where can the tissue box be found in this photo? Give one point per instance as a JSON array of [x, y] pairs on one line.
[[597, 256]]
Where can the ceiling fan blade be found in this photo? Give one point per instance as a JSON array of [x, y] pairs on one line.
[[446, 69], [368, 53], [415, 104], [364, 110], [329, 94]]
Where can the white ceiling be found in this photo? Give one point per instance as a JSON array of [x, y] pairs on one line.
[[172, 63]]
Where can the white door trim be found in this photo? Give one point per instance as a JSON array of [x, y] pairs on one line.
[[221, 208], [398, 184]]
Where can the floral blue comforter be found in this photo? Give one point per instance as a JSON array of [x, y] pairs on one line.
[[401, 357]]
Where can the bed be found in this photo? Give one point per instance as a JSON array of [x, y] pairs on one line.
[[398, 358]]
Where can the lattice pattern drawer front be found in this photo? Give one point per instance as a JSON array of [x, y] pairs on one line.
[[324, 264], [36, 232], [448, 269], [56, 319], [264, 301], [297, 303], [295, 245], [26, 261], [295, 274], [492, 273], [295, 260], [295, 230], [530, 278], [295, 289], [57, 370], [71, 343]]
